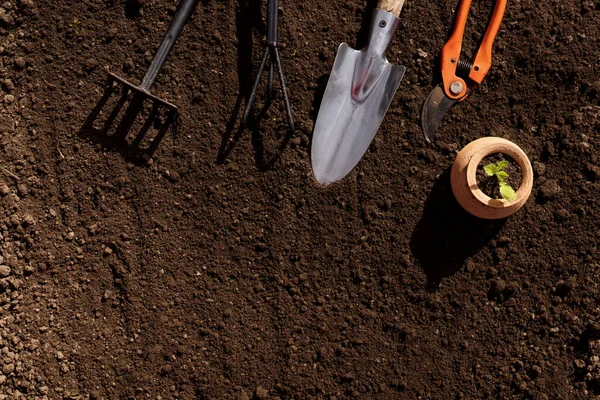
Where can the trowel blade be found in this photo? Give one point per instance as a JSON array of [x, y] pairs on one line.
[[358, 94]]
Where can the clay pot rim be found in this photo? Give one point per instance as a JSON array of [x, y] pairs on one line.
[[516, 154]]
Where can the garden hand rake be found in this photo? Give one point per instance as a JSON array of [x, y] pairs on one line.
[[141, 92]]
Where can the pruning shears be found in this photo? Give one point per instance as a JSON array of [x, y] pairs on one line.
[[460, 77]]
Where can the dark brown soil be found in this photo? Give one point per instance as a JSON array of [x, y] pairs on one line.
[[489, 184], [221, 269]]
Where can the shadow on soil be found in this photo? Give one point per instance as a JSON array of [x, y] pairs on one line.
[[248, 19], [129, 113], [581, 345], [447, 235]]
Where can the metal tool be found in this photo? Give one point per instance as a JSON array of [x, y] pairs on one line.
[[185, 10], [359, 91], [459, 77], [272, 51]]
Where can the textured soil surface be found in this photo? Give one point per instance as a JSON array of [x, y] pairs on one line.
[[219, 269]]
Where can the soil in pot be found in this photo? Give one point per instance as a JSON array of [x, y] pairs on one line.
[[489, 184]]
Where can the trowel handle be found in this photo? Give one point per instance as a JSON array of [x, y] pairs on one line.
[[272, 18], [391, 6]]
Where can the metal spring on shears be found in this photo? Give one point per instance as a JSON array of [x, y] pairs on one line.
[[464, 66]]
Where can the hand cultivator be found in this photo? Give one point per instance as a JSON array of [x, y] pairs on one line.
[[272, 51]]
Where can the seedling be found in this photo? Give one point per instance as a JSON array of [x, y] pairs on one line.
[[498, 170]]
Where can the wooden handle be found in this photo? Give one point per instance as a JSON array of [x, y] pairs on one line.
[[391, 6]]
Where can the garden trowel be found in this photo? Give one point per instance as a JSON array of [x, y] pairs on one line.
[[359, 91]]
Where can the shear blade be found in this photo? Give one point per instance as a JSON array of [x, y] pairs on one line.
[[434, 109]]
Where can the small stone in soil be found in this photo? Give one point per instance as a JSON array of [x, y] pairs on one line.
[[497, 287], [4, 271], [90, 64], [20, 63], [8, 85], [261, 393]]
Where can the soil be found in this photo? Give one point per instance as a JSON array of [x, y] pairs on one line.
[[215, 267], [489, 184]]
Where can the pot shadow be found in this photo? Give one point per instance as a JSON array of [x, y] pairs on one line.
[[248, 19], [447, 235], [147, 120]]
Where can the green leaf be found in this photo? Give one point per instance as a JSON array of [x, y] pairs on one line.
[[490, 169], [502, 175], [507, 192], [501, 165]]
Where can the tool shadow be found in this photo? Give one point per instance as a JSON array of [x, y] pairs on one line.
[[447, 235], [248, 19], [139, 147]]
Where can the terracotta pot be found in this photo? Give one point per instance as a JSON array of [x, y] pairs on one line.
[[463, 178]]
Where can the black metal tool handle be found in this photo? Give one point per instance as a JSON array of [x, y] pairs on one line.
[[272, 10], [185, 9]]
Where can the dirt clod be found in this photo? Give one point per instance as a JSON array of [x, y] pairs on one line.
[[261, 393], [20, 63], [243, 396], [550, 189], [4, 271], [90, 64], [539, 168]]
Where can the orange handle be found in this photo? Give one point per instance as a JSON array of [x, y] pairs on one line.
[[451, 51], [483, 59]]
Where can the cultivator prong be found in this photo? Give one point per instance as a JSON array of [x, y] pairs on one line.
[[272, 52]]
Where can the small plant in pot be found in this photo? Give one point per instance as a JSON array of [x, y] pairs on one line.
[[491, 178], [498, 176]]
